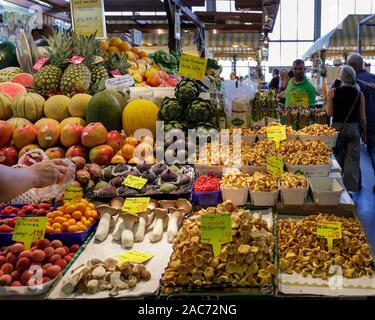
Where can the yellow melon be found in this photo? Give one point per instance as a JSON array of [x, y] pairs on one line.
[[56, 107], [78, 105]]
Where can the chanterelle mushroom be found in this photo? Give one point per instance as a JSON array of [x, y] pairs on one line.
[[107, 212], [161, 221]]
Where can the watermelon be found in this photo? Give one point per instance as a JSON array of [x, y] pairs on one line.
[[13, 89], [8, 56], [105, 108], [24, 79]]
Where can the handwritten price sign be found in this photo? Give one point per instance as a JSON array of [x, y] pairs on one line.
[[330, 230], [134, 182], [192, 66], [135, 205], [29, 229]]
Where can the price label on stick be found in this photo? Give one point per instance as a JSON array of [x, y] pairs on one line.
[[134, 182], [135, 205], [275, 166], [73, 194], [276, 133], [330, 230], [29, 229], [134, 256], [192, 66], [216, 229]]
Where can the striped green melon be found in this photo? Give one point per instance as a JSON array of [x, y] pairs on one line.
[[5, 106], [104, 108], [17, 122], [29, 106]]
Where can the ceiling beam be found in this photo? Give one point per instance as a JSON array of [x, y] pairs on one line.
[[251, 5], [188, 12]]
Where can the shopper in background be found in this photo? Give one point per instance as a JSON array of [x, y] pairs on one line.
[[300, 92], [274, 83], [233, 76], [366, 82], [284, 78], [346, 104], [15, 181]]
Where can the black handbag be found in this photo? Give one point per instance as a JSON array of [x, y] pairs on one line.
[[340, 142]]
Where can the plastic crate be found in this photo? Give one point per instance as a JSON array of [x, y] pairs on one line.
[[206, 198], [263, 198], [237, 195], [326, 190]]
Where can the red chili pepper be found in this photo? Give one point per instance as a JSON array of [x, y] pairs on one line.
[[207, 184]]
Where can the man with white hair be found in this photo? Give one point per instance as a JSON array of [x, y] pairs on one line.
[[366, 82]]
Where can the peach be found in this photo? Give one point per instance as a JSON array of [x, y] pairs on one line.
[[16, 275], [46, 266], [56, 244], [74, 248], [17, 248], [154, 81], [43, 243], [55, 153], [23, 264], [61, 251], [49, 252], [16, 284], [48, 135], [53, 271], [25, 277], [24, 135], [61, 263], [54, 258], [5, 280], [71, 134], [67, 258], [76, 151], [2, 260], [101, 154], [11, 258], [6, 133], [7, 268], [26, 253], [38, 255]]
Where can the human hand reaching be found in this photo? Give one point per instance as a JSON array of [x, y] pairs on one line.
[[49, 172]]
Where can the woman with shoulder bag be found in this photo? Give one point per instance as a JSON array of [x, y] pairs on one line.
[[346, 104]]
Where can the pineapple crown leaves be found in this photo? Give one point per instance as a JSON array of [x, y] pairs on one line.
[[117, 61], [59, 49], [86, 47]]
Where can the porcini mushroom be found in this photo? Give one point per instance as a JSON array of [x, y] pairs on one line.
[[108, 217], [176, 217], [161, 222], [127, 235], [140, 227]]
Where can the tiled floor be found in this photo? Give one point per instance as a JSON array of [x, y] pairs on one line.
[[365, 199]]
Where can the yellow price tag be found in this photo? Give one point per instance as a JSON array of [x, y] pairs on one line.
[[192, 66], [134, 182], [330, 230], [27, 230], [299, 99], [134, 256], [72, 194], [276, 133], [135, 205], [275, 166], [216, 229]]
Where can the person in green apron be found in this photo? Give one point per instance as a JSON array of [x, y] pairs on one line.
[[299, 92]]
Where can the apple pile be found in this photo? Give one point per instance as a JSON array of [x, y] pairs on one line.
[[15, 262], [40, 209]]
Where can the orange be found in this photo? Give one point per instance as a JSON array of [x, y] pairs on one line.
[[68, 216], [132, 141], [49, 229], [82, 227], [60, 220], [114, 50], [51, 215], [87, 223], [72, 221], [134, 49], [65, 226], [79, 223], [115, 42], [50, 220], [58, 213], [118, 159], [91, 219], [124, 46], [143, 54], [77, 215], [83, 219], [69, 209], [84, 201], [91, 206], [73, 228], [127, 151], [56, 225], [104, 46], [81, 207], [58, 230]]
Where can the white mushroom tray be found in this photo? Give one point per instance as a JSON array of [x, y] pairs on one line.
[[109, 249]]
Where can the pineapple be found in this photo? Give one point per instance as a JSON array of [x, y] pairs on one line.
[[98, 72], [117, 61], [77, 77], [47, 79]]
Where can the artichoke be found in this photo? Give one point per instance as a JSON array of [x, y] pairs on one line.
[[200, 110], [206, 130], [173, 125], [186, 91], [171, 110]]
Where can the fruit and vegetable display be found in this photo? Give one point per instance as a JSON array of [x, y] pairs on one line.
[[235, 180], [40, 209], [97, 275], [72, 217], [299, 117], [51, 256], [159, 216], [168, 61], [302, 252], [110, 181], [246, 261]]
